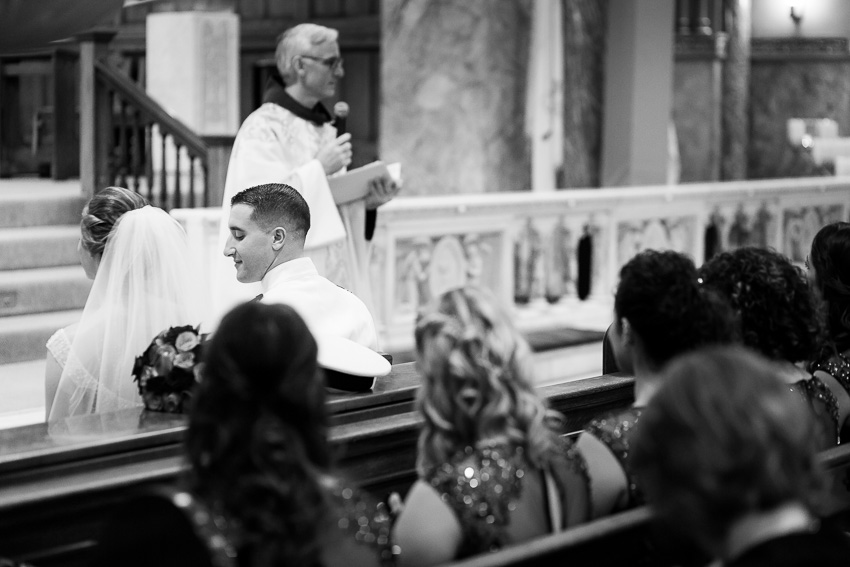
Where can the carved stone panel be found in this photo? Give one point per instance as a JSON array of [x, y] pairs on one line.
[[670, 233], [800, 224]]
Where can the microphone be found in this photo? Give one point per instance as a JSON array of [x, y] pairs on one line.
[[340, 114]]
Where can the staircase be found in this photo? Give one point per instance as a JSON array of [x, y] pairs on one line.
[[42, 285]]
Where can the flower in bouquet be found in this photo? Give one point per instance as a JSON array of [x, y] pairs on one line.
[[168, 369]]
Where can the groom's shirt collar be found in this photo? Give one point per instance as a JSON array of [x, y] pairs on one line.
[[293, 270]]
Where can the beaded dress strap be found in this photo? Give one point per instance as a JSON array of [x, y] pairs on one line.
[[813, 390], [614, 430], [838, 370]]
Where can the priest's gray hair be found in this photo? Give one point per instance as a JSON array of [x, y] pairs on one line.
[[296, 41]]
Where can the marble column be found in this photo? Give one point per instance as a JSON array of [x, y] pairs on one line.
[[584, 64], [453, 78], [638, 92], [735, 124], [193, 68]]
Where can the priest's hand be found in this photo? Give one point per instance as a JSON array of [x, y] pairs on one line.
[[335, 155], [381, 190]]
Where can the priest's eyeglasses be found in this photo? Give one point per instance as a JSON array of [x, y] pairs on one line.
[[333, 63]]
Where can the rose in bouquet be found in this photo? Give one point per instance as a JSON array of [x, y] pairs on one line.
[[168, 369]]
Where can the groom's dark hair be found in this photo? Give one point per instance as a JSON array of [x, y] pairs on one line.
[[276, 204]]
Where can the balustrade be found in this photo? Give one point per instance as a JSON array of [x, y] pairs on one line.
[[555, 257]]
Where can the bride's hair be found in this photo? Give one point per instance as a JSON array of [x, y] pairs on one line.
[[476, 386], [102, 212], [257, 437]]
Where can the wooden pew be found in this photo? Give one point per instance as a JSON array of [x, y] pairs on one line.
[[54, 491]]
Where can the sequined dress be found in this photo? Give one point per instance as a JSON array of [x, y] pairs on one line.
[[483, 486], [823, 405], [614, 430], [358, 522]]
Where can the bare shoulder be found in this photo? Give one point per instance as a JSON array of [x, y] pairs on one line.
[[427, 530]]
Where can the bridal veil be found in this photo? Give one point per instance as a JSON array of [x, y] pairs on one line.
[[145, 283]]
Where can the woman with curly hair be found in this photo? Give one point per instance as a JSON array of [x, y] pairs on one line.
[[661, 311], [829, 275], [258, 449], [492, 467], [777, 318], [748, 488]]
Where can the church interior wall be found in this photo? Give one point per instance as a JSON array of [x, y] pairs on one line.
[[452, 94], [696, 115], [807, 86]]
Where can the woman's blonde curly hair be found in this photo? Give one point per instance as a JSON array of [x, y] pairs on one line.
[[477, 390]]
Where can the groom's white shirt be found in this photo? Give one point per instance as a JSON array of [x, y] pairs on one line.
[[326, 308]]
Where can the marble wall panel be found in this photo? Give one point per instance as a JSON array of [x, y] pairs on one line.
[[452, 95], [696, 114], [584, 60], [780, 90], [735, 102]]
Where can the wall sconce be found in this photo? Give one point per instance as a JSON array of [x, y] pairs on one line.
[[797, 13]]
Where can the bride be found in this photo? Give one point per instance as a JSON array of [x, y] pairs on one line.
[[144, 283]]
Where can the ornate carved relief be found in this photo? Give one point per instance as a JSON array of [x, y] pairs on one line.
[[672, 233], [428, 266], [800, 226]]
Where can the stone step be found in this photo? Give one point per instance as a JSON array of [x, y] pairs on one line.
[[31, 203], [39, 247], [41, 290], [23, 337]]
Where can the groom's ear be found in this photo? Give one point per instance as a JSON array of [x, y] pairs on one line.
[[278, 237]]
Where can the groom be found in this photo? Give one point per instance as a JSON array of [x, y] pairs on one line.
[[268, 225]]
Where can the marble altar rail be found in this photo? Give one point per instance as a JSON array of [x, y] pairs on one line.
[[554, 257]]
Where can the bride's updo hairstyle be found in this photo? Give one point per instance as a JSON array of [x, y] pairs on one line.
[[476, 387], [257, 434], [667, 307], [829, 261], [102, 212]]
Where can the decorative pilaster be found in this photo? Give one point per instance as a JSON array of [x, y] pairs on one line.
[[736, 83], [584, 54]]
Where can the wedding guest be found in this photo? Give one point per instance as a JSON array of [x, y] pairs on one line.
[[661, 311], [829, 275], [268, 226], [139, 259], [260, 490], [724, 454], [777, 318], [492, 467], [258, 449]]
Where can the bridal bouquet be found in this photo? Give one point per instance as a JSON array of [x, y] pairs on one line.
[[166, 372]]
